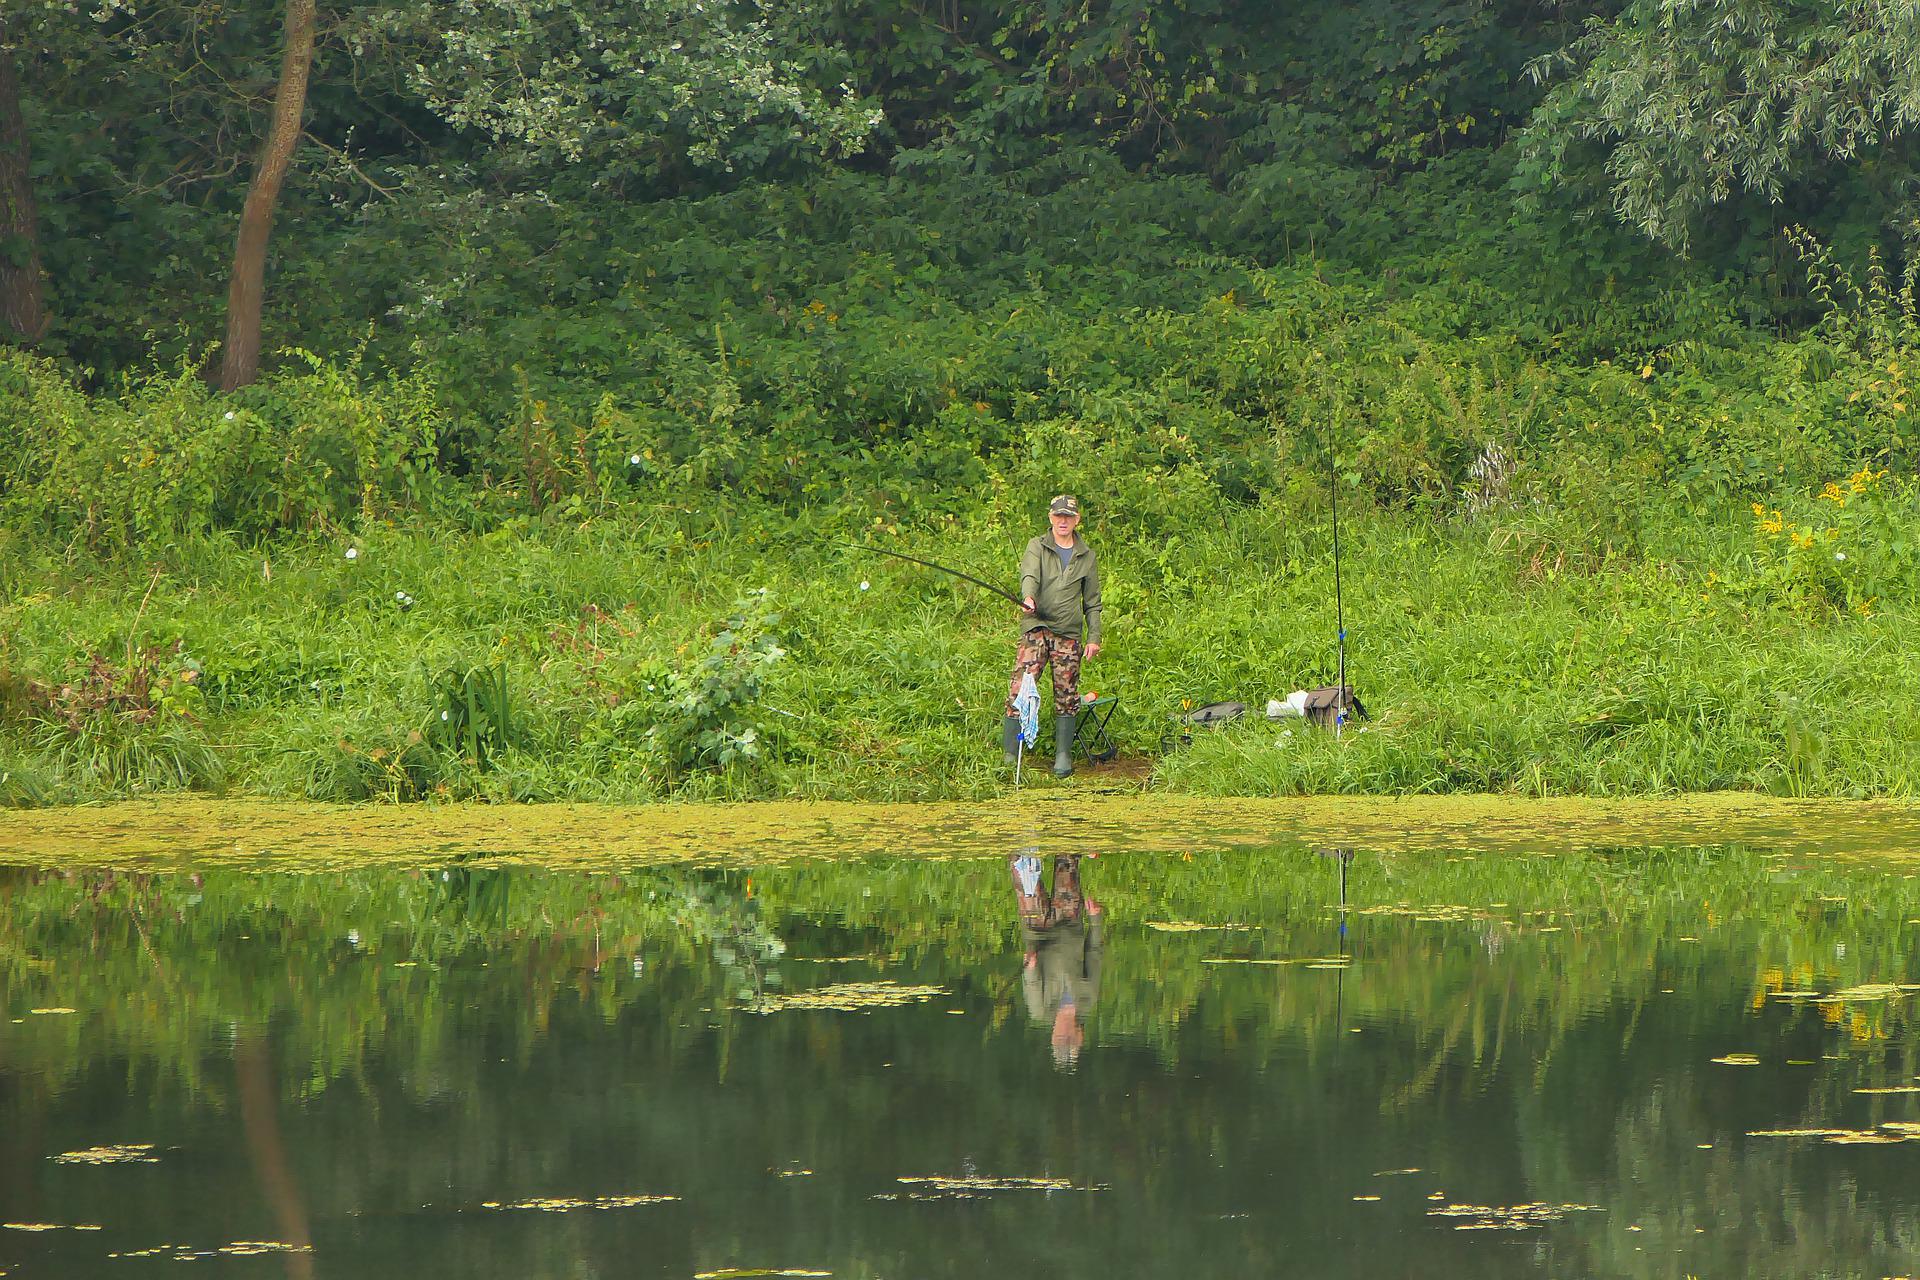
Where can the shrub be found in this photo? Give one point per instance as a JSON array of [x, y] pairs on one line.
[[1847, 549], [711, 717], [169, 458], [121, 726]]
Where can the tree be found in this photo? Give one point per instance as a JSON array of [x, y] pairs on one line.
[[617, 83], [140, 108], [240, 358], [1691, 104], [609, 83], [23, 313]]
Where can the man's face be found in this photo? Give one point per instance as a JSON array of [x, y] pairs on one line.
[[1068, 1035], [1064, 525]]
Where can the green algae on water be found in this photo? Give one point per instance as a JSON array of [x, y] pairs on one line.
[[174, 833]]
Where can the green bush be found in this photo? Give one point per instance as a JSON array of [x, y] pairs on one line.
[[168, 458], [24, 783], [709, 714]]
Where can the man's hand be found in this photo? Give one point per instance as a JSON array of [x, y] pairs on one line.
[[1092, 648], [1027, 604]]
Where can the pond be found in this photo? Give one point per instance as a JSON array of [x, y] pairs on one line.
[[1078, 1059]]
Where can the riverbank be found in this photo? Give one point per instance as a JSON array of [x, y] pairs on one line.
[[653, 655]]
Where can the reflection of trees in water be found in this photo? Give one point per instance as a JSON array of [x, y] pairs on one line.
[[372, 981], [377, 960], [23, 1103], [1755, 1207], [164, 954]]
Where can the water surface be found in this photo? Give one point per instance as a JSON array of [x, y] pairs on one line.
[[1287, 1060]]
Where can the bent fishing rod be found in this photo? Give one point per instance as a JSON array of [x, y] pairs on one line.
[[967, 577]]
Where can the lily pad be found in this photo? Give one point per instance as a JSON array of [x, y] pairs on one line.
[[120, 1153], [566, 1204], [971, 1182], [846, 997], [1193, 926], [1518, 1217]]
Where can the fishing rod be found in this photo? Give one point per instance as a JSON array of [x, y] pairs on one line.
[[901, 555], [1339, 610]]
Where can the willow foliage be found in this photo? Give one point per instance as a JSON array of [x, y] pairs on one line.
[[1695, 103]]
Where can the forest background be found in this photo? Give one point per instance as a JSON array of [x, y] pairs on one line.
[[407, 400]]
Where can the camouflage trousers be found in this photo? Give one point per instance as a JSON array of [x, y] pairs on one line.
[[1039, 649], [1041, 908]]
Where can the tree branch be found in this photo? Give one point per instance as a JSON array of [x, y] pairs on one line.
[[352, 166]]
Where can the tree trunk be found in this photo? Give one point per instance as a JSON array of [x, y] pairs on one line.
[[23, 310], [240, 358], [260, 1117]]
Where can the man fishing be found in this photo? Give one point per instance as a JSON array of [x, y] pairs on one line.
[[1059, 582]]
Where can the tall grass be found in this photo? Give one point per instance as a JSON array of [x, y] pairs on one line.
[[1486, 669]]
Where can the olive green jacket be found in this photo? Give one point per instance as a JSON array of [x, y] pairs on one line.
[[1060, 595], [1066, 967]]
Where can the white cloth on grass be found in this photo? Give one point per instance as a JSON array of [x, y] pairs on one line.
[[1295, 705]]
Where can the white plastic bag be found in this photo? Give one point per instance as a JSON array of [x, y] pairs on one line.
[[1027, 703]]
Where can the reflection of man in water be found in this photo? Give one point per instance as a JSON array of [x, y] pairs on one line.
[[1061, 928]]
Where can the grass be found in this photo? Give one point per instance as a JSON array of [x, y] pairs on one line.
[[1487, 667]]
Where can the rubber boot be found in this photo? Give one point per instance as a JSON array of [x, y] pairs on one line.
[[1063, 727], [1010, 738]]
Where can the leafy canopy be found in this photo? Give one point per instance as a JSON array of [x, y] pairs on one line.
[[1692, 104]]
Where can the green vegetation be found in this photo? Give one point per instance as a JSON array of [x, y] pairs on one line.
[[568, 387]]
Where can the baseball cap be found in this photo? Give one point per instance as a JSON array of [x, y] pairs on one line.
[[1064, 504]]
